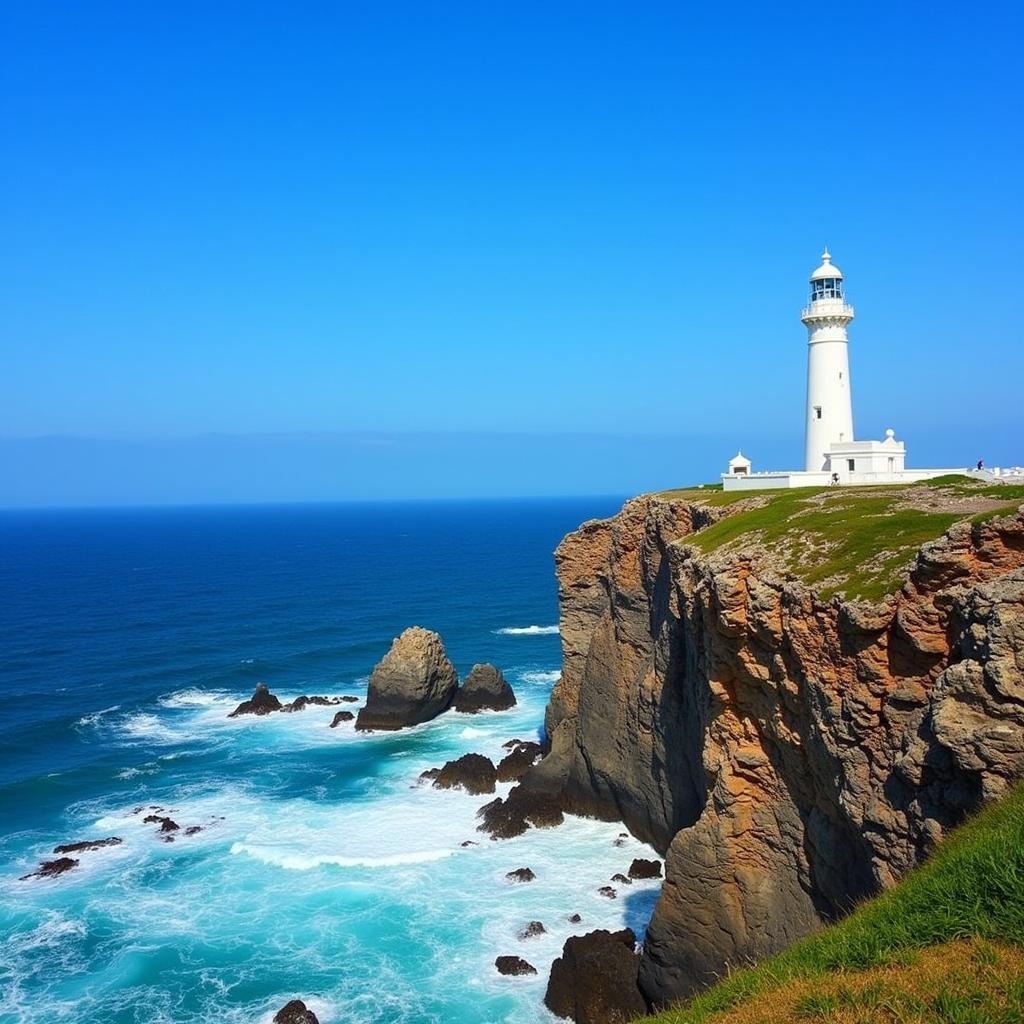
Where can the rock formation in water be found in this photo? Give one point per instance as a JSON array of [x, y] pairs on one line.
[[50, 868], [484, 689], [514, 966], [295, 1012], [791, 755], [472, 772], [514, 765], [84, 845], [414, 682], [594, 981], [262, 702]]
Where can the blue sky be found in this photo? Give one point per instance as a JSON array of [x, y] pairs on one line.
[[525, 248]]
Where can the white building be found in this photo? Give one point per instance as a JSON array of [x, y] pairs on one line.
[[832, 455]]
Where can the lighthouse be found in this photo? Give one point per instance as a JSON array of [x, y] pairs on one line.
[[832, 455], [829, 403]]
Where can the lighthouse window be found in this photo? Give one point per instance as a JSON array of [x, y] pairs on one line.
[[817, 412], [851, 464]]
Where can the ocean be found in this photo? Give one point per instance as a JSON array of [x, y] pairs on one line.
[[323, 869]]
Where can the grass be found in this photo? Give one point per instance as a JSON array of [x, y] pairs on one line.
[[858, 541], [972, 888]]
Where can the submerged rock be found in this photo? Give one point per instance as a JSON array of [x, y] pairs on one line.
[[484, 689], [262, 702], [341, 716], [303, 702], [514, 966], [87, 844], [608, 892], [594, 981], [521, 875], [472, 772], [49, 868], [533, 929], [514, 766], [295, 1012], [641, 868], [621, 878], [414, 682]]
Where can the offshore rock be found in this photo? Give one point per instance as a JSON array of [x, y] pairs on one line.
[[472, 772], [87, 844], [523, 807], [413, 683], [341, 716], [791, 755], [262, 702], [514, 766], [295, 1012], [484, 689], [50, 868], [521, 875], [514, 966], [594, 981], [641, 868], [533, 929]]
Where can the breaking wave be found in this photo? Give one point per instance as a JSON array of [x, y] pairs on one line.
[[527, 631]]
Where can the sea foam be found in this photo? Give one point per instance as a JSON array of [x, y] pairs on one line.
[[527, 631]]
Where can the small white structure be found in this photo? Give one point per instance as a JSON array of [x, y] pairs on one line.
[[832, 455]]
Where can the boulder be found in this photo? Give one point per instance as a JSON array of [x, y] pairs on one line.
[[430, 773], [608, 892], [513, 766], [574, 919], [472, 772], [414, 682], [533, 929], [594, 981], [49, 868], [514, 966], [521, 875], [484, 689], [295, 1012], [341, 716], [621, 878], [262, 702], [523, 807], [87, 844], [641, 868]]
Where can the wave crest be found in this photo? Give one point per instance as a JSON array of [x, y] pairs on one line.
[[305, 862], [527, 631]]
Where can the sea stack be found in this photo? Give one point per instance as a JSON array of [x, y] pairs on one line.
[[484, 689], [414, 682]]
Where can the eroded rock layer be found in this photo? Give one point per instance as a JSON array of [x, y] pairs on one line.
[[790, 755]]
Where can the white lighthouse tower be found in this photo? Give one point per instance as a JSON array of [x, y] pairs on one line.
[[829, 403]]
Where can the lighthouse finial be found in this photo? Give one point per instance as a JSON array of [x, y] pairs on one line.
[[826, 256]]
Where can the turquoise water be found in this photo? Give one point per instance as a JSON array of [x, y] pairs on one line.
[[323, 869]]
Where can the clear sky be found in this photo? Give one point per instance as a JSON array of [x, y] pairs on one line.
[[520, 248]]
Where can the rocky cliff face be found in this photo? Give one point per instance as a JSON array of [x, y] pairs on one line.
[[790, 755]]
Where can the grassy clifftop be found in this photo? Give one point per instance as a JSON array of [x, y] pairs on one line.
[[857, 541], [945, 945]]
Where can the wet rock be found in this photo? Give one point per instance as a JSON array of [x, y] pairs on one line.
[[341, 716], [521, 875], [430, 773], [608, 891], [621, 879], [414, 682], [193, 830], [523, 807], [262, 702], [594, 981], [348, 699], [641, 868], [87, 844], [511, 744], [515, 765], [301, 703], [468, 842], [50, 868], [514, 966], [295, 1012], [533, 929], [484, 689], [620, 839], [574, 919], [166, 824], [472, 772]]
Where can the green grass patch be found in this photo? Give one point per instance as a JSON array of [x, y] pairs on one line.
[[971, 887]]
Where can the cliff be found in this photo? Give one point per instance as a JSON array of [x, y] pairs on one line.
[[738, 690]]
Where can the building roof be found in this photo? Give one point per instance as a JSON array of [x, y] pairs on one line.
[[827, 268]]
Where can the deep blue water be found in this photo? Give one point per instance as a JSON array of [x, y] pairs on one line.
[[323, 870]]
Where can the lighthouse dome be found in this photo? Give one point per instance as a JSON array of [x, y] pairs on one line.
[[827, 269]]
